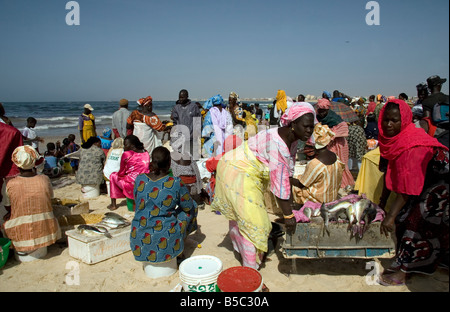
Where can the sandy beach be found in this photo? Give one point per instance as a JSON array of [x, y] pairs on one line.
[[123, 274]]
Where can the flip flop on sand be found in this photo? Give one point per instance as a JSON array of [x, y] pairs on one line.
[[390, 280]]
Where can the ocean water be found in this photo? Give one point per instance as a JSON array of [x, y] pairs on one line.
[[61, 118]]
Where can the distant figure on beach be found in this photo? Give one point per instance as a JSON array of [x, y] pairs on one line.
[[30, 224], [258, 113], [71, 148], [218, 125], [372, 105], [269, 157], [321, 180], [90, 169], [119, 120], [145, 123], [183, 113], [3, 118], [339, 144], [135, 160], [86, 124], [235, 110], [30, 137], [165, 212]]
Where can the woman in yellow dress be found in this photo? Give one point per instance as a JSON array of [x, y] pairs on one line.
[[86, 123]]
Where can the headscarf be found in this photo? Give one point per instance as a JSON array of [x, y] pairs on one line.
[[234, 95], [328, 94], [381, 98], [296, 111], [145, 101], [215, 100], [323, 103], [117, 143], [281, 100], [322, 135], [25, 157], [409, 136], [107, 132]]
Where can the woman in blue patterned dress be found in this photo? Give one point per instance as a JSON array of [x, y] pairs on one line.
[[165, 212]]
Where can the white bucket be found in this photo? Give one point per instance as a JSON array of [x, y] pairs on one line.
[[90, 191], [200, 273], [162, 269], [30, 256]]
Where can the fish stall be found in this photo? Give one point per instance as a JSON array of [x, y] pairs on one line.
[[92, 243], [346, 228]]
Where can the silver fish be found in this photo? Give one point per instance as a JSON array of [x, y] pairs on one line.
[[333, 213], [91, 230], [363, 210], [114, 220], [307, 212]]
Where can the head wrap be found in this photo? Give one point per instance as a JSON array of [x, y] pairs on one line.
[[107, 132], [328, 94], [417, 110], [409, 136], [281, 100], [296, 111], [323, 103], [215, 100], [25, 157], [322, 135], [145, 101], [234, 95], [117, 143]]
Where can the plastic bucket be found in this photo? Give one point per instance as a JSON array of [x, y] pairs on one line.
[[162, 269], [130, 204], [90, 191], [31, 256], [5, 243], [200, 273], [240, 279]]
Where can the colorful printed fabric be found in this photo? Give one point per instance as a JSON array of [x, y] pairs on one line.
[[90, 170], [422, 226], [344, 111], [165, 215]]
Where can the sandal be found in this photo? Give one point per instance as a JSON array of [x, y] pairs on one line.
[[390, 280]]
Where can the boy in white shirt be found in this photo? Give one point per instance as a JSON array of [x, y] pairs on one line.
[[30, 137]]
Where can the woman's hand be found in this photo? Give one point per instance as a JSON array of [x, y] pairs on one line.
[[388, 225], [290, 225]]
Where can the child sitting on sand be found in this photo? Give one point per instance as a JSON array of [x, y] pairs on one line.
[[53, 166], [71, 148]]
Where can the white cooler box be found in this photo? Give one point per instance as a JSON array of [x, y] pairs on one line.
[[90, 249]]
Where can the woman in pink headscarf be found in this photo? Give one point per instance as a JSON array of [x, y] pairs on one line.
[[339, 145], [244, 173]]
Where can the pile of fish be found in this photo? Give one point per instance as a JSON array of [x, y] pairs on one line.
[[110, 221], [354, 213]]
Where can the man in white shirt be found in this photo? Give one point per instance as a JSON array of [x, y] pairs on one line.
[[119, 119]]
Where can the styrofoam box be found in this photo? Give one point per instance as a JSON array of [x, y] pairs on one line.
[[92, 250]]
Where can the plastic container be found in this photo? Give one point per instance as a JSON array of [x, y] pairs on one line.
[[240, 279], [5, 243], [31, 256], [200, 273], [90, 191], [163, 269], [130, 204]]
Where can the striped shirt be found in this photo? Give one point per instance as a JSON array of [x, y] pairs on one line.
[[321, 182]]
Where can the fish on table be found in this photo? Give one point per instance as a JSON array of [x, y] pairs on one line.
[[93, 230]]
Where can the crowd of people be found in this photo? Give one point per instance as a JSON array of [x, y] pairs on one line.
[[375, 146]]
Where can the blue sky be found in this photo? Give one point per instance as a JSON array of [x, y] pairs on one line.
[[134, 48]]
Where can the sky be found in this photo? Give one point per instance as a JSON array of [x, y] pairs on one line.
[[135, 48]]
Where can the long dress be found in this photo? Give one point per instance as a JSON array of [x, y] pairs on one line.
[[132, 164], [422, 226], [165, 215], [217, 126], [32, 224], [243, 175]]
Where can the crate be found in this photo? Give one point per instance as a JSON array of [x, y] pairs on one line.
[[92, 250], [309, 242]]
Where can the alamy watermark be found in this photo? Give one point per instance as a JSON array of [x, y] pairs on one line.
[[73, 277], [374, 273], [73, 17], [373, 17]]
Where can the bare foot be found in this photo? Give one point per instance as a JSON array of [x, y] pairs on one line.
[[112, 207]]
